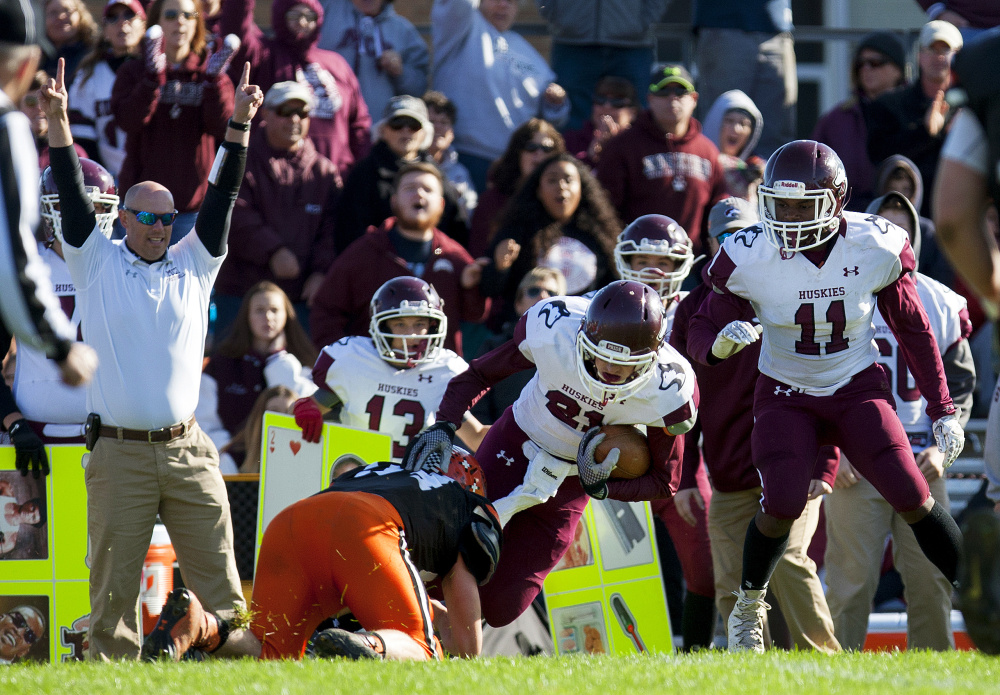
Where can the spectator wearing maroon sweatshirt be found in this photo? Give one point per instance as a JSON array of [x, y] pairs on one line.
[[282, 227], [664, 164], [173, 110], [340, 120], [407, 244]]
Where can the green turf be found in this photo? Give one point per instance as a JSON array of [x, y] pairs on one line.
[[717, 673]]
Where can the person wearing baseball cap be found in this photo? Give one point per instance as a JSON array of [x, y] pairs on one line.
[[28, 306], [912, 121], [727, 217], [94, 127], [638, 168]]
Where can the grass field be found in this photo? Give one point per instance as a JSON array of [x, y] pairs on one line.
[[716, 673]]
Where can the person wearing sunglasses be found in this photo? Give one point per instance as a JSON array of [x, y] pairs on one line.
[[144, 306], [878, 66], [734, 124], [913, 120], [20, 629], [283, 223], [614, 106], [174, 104], [664, 164], [341, 120], [401, 136], [94, 125]]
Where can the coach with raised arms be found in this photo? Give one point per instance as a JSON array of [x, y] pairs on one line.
[[144, 309]]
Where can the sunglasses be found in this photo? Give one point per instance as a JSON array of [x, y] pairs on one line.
[[287, 111], [400, 122], [150, 218], [539, 147], [669, 89], [126, 16], [535, 292], [599, 100], [171, 15], [871, 63], [21, 624], [310, 17]]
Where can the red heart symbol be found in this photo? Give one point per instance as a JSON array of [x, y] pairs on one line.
[[295, 446]]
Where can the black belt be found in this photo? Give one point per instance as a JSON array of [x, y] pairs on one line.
[[164, 434]]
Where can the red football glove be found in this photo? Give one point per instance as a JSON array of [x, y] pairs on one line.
[[309, 418]]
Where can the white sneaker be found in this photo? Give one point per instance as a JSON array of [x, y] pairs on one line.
[[746, 622]]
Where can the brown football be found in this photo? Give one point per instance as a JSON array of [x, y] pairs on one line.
[[633, 459]]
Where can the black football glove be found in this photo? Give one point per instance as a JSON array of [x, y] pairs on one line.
[[430, 448], [29, 449], [594, 476]]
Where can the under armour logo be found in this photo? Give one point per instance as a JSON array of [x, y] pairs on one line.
[[507, 459], [779, 391], [421, 377], [848, 271]]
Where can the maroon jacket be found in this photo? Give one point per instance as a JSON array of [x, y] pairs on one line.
[[287, 199], [645, 171], [341, 125], [491, 204], [725, 413], [175, 152], [340, 307]]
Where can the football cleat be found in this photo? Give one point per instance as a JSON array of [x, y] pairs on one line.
[[183, 624], [746, 622], [334, 642], [979, 580]]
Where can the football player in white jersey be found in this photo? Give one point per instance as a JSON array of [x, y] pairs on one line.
[[812, 273], [393, 381], [40, 409], [857, 518], [655, 250], [601, 361]]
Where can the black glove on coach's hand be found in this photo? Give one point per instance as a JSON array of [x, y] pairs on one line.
[[29, 449], [430, 448]]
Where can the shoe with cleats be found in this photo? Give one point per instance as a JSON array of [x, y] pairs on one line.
[[183, 625]]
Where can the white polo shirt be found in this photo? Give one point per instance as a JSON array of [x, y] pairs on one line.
[[148, 324]]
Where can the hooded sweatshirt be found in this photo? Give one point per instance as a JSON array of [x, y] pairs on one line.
[[645, 172], [496, 80], [745, 169], [341, 125], [361, 41]]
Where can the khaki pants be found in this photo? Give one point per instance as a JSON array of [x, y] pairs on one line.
[[858, 521], [128, 483], [794, 583]]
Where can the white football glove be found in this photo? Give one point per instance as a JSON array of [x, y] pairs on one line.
[[950, 438], [734, 337], [594, 476]]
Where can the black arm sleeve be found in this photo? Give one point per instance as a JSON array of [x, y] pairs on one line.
[[212, 225], [75, 206]]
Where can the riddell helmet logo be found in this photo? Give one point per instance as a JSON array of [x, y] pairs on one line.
[[614, 347], [789, 187]]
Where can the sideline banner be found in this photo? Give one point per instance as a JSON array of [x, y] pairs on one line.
[[291, 468], [43, 562], [606, 595]]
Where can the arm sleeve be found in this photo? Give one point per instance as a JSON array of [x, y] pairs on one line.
[[75, 206], [904, 314], [468, 387], [212, 224], [28, 304], [663, 477]]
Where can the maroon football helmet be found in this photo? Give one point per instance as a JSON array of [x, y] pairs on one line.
[[655, 235], [402, 297], [100, 187], [624, 325], [803, 170]]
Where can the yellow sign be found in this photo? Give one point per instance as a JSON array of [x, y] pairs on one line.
[[606, 596]]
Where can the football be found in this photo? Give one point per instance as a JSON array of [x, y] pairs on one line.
[[633, 459]]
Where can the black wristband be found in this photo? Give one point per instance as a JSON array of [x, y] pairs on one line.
[[243, 127], [16, 425]]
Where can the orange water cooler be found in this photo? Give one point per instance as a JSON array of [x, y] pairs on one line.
[[157, 577]]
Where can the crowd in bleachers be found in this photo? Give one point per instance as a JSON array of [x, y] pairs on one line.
[[509, 182]]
